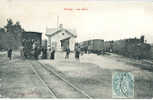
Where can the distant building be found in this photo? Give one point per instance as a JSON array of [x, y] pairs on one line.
[[60, 38]]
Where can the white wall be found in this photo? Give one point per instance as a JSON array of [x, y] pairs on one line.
[[72, 43], [56, 38]]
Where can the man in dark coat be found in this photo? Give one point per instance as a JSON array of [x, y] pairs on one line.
[[44, 53], [77, 53], [53, 54], [36, 53], [10, 54], [67, 53]]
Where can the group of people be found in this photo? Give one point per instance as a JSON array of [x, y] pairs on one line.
[[44, 54], [77, 53], [51, 53], [31, 48]]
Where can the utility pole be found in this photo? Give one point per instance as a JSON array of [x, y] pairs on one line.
[[57, 22]]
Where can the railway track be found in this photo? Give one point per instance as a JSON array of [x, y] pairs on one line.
[[67, 82], [58, 86], [51, 92]]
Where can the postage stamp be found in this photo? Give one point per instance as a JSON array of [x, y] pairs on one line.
[[122, 85]]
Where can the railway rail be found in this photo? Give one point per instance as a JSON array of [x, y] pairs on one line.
[[72, 90], [44, 83]]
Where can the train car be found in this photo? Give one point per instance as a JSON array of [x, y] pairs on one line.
[[133, 48], [93, 46], [108, 46], [138, 50], [96, 46], [119, 47], [76, 46], [31, 42], [151, 51], [84, 46]]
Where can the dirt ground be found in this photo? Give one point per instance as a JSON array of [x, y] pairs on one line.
[[91, 73]]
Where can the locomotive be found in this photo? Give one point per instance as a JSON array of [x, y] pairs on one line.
[[134, 48], [31, 43]]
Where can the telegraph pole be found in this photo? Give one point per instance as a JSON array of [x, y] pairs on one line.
[[57, 22]]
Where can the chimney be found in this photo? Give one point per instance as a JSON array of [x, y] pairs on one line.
[[61, 26]]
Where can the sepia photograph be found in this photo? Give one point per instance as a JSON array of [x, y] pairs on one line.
[[76, 49]]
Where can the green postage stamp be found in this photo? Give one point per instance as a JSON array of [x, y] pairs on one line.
[[122, 85]]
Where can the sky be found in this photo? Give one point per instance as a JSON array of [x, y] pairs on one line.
[[102, 19]]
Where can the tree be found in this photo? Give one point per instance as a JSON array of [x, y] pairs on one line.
[[142, 38], [13, 33], [9, 25], [1, 37]]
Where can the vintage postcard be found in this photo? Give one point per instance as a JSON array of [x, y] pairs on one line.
[[88, 49]]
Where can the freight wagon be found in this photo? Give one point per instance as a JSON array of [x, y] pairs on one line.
[[96, 46], [134, 48], [84, 46], [93, 46]]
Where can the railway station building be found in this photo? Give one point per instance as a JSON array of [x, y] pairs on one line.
[[60, 38]]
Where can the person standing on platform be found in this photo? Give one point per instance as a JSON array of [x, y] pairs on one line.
[[10, 53], [36, 53], [67, 53], [44, 53], [49, 53], [53, 53], [77, 53]]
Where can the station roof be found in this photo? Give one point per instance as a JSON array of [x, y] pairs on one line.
[[54, 31]]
